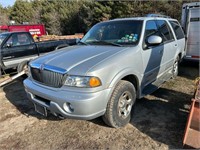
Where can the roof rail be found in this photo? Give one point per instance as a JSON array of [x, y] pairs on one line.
[[157, 15]]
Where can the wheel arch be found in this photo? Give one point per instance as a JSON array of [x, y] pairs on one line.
[[61, 46], [132, 79], [21, 65], [180, 56], [128, 75]]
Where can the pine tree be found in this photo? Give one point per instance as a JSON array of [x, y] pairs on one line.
[[22, 11], [69, 17], [4, 19]]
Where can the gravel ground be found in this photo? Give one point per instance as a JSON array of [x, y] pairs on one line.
[[158, 121]]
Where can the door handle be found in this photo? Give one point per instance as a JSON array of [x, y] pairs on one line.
[[175, 45]]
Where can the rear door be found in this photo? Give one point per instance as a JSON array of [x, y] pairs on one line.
[[180, 37], [18, 48], [169, 43]]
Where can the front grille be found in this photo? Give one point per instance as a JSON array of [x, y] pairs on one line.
[[47, 77]]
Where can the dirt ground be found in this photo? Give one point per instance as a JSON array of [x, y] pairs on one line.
[[158, 121]]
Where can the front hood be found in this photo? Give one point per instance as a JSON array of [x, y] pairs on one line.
[[80, 58]]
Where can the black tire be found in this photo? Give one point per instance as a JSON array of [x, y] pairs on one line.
[[175, 68], [114, 115], [23, 65]]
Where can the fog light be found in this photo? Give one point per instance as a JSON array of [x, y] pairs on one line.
[[68, 107]]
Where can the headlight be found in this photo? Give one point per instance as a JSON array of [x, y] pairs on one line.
[[29, 71], [82, 81]]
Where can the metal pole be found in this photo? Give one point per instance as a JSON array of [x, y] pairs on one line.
[[12, 78]]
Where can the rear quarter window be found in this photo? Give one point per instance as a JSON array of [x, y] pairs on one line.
[[177, 29]]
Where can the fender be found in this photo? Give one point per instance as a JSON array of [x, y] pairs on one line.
[[123, 73]]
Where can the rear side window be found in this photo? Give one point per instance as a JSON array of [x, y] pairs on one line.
[[165, 31], [177, 29]]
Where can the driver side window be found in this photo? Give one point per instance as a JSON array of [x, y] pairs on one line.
[[18, 40]]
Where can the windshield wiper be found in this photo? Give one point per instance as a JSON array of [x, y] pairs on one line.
[[83, 43], [107, 43]]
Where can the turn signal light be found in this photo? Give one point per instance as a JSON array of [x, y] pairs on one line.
[[94, 82]]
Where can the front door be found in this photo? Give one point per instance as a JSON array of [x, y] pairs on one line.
[[152, 55], [17, 49]]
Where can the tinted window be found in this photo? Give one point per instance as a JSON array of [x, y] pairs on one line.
[[177, 29], [165, 31], [19, 39]]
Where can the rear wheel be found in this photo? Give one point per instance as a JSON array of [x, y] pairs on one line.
[[118, 112], [175, 68]]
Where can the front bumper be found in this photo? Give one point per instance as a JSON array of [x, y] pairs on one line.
[[85, 106]]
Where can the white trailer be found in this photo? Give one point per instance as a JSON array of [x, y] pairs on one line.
[[191, 24]]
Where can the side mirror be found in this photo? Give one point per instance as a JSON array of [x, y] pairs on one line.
[[8, 45], [154, 40]]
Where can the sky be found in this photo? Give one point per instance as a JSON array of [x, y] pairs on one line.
[[6, 3]]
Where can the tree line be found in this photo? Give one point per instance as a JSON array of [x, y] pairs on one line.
[[62, 17]]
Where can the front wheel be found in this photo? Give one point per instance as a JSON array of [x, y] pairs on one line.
[[118, 112]]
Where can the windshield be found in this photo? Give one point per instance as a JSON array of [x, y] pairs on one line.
[[123, 32], [2, 37]]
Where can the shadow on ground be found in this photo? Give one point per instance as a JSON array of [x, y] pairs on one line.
[[189, 70], [162, 118], [16, 94]]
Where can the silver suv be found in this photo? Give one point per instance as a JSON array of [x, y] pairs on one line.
[[116, 62]]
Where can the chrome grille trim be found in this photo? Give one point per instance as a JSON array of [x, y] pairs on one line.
[[48, 75], [48, 67]]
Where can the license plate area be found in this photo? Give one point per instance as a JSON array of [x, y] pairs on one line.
[[40, 109]]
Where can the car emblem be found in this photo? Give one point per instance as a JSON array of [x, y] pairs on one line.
[[42, 67]]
